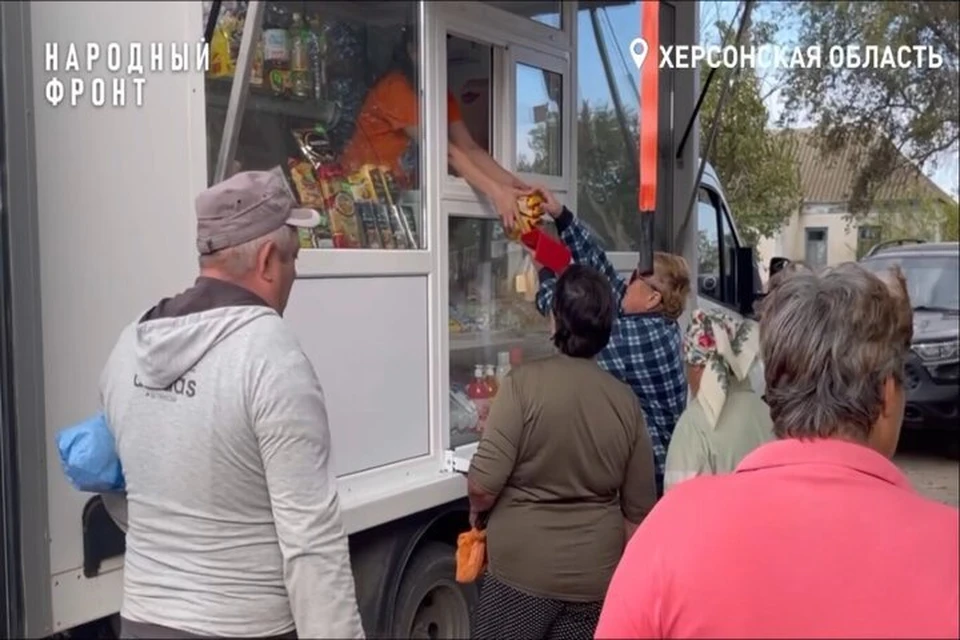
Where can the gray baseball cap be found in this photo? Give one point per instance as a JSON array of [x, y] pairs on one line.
[[246, 206]]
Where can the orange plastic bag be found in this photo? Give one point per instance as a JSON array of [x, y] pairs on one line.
[[471, 555]]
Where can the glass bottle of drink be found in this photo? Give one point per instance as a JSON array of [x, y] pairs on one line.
[[276, 50], [299, 58]]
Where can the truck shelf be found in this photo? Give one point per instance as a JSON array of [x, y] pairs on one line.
[[218, 95], [481, 340]]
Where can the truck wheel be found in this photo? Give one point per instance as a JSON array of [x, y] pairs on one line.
[[431, 603]]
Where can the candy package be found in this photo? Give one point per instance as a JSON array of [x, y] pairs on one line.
[[305, 180]]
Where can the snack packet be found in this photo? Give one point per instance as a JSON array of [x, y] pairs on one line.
[[306, 183], [529, 213]]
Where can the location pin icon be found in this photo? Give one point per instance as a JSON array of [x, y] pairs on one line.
[[638, 51]]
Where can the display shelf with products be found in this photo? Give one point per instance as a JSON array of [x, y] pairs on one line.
[[311, 90], [494, 324], [262, 100]]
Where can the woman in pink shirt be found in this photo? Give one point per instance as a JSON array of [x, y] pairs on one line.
[[818, 534]]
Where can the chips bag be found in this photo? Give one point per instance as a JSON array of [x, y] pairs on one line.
[[529, 213]]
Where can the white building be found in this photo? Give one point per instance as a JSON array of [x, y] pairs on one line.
[[822, 231]]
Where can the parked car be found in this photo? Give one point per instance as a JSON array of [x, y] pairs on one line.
[[932, 271]]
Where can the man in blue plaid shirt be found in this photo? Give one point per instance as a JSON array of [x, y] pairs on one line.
[[645, 345]]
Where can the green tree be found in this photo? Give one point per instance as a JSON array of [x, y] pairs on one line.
[[927, 219], [892, 116], [755, 164]]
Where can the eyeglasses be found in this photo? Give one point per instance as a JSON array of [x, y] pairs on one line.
[[646, 279]]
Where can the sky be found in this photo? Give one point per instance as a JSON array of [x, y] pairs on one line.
[[620, 24]]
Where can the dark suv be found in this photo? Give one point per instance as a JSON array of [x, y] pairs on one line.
[[933, 369]]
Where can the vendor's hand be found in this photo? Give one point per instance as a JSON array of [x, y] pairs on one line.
[[550, 203], [523, 186], [505, 202], [474, 519]]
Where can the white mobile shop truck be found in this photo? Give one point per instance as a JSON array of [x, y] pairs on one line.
[[98, 223]]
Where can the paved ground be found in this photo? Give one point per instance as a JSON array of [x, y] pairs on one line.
[[933, 472]]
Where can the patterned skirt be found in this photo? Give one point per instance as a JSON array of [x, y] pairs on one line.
[[505, 613]]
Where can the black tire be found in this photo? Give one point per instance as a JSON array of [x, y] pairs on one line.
[[431, 603], [951, 445], [115, 625]]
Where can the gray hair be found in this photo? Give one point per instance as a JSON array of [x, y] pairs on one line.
[[238, 261], [829, 341]]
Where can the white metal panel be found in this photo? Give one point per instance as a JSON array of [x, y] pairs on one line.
[[387, 494], [536, 30], [432, 163], [499, 27], [459, 459], [338, 263], [367, 340], [76, 599], [115, 206]]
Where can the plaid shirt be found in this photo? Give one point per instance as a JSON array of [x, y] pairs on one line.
[[644, 349]]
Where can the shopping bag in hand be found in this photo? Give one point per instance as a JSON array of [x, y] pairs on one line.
[[552, 254], [89, 457], [471, 555]]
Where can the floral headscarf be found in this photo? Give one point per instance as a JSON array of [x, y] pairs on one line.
[[723, 346]]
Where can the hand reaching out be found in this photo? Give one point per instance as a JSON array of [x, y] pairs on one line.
[[550, 203], [505, 203]]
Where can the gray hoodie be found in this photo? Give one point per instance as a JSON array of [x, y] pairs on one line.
[[234, 525]]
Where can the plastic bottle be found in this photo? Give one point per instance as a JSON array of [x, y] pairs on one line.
[[256, 71], [491, 380], [479, 393], [503, 365], [316, 52], [299, 58]]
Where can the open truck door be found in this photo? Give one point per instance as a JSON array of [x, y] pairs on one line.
[[730, 282], [723, 268]]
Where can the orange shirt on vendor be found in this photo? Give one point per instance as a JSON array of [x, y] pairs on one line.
[[389, 108]]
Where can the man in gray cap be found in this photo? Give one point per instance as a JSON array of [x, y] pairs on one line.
[[234, 526]]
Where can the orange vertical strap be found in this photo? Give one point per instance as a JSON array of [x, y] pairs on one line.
[[649, 103]]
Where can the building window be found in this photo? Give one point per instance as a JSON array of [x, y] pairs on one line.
[[868, 236], [816, 247]]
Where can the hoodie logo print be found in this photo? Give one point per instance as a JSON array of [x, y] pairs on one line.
[[185, 387]]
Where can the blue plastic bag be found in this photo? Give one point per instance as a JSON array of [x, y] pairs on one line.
[[88, 455]]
